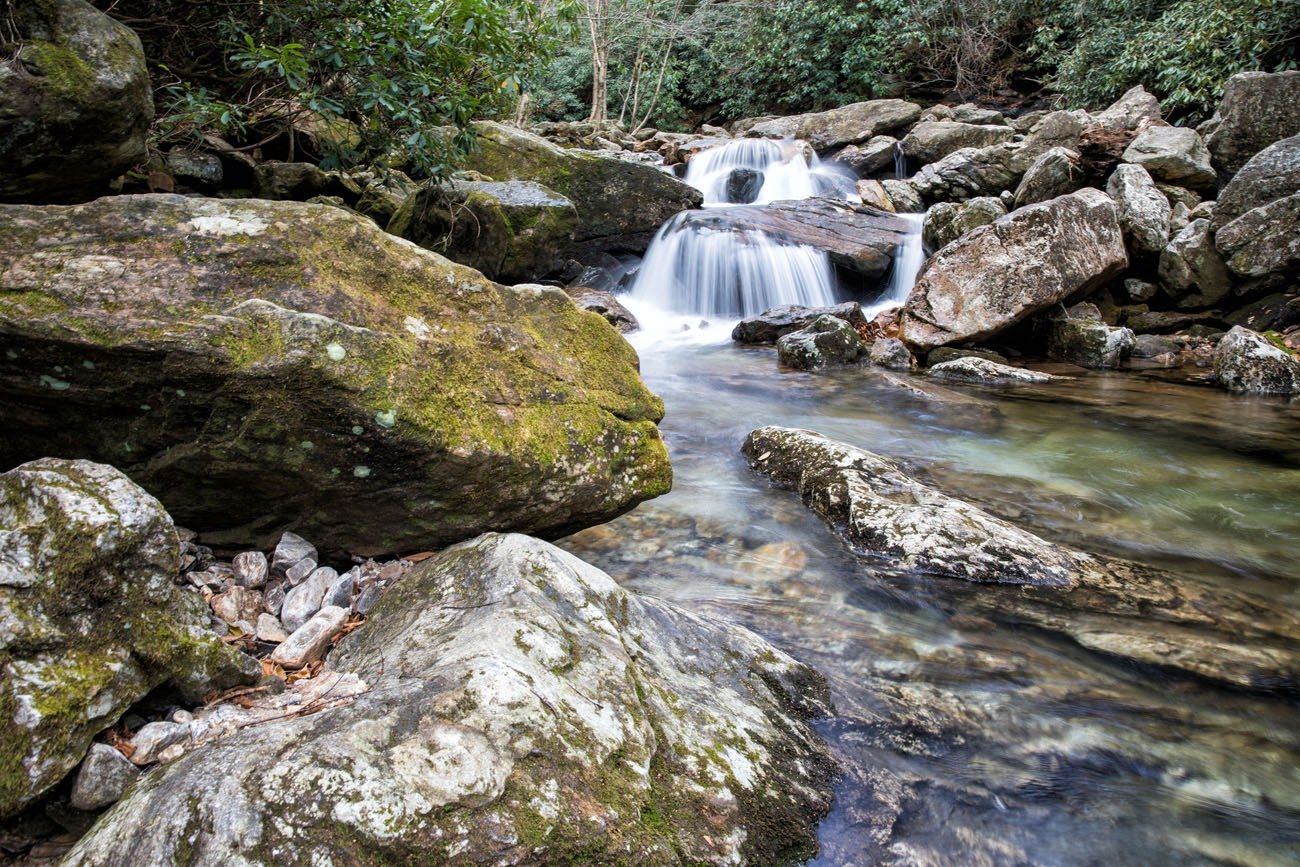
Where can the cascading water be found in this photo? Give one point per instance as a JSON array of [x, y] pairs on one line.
[[760, 171], [908, 260]]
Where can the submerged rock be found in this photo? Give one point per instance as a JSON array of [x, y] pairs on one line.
[[1257, 109], [984, 371], [90, 620], [1022, 263], [524, 709], [824, 341], [841, 126], [771, 324], [75, 101], [258, 365], [1246, 362], [1087, 341]]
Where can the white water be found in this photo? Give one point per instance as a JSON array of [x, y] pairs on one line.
[[908, 260], [789, 170]]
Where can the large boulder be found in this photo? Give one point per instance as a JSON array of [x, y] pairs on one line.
[[970, 172], [1257, 109], [90, 618], [620, 203], [1144, 212], [1135, 109], [870, 158], [1247, 362], [75, 101], [1191, 269], [948, 221], [1055, 173], [268, 365], [771, 324], [1269, 175], [512, 231], [522, 709], [1027, 261], [1264, 241], [846, 125], [1173, 154], [931, 141]]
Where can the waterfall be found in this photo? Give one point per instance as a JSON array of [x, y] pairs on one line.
[[760, 171], [908, 260], [703, 271], [900, 161]]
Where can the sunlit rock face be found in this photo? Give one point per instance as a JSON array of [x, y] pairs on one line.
[[263, 365]]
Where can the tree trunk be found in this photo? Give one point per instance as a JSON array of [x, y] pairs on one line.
[[597, 27]]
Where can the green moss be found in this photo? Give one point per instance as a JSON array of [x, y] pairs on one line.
[[66, 72], [29, 304]]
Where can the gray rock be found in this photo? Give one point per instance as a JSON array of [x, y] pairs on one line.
[[291, 550], [273, 598], [891, 354], [75, 102], [903, 196], [968, 112], [90, 619], [521, 708], [1257, 109], [848, 124], [304, 600], [237, 603], [824, 341], [1276, 312], [340, 592], [1246, 362], [270, 629], [297, 182], [1191, 270], [104, 776], [300, 571], [1179, 195], [983, 371], [1179, 218], [1174, 154], [1144, 211], [1027, 261], [881, 510], [606, 305], [945, 222], [152, 741], [870, 158], [771, 324], [931, 141], [308, 642], [1153, 346], [1271, 174], [1088, 342], [950, 353], [196, 169], [1140, 290], [1265, 241], [368, 599], [970, 172], [1135, 109], [250, 568], [1055, 173], [1063, 129]]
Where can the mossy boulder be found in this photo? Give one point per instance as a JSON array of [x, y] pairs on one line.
[[523, 709], [90, 619], [620, 203], [513, 231], [261, 366], [75, 102]]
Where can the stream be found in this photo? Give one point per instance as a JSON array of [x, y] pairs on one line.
[[964, 740]]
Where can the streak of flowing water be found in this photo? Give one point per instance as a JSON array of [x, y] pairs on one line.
[[760, 171]]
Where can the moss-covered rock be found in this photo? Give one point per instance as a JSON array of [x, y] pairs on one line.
[[513, 231], [90, 619], [266, 365], [523, 709], [620, 203], [75, 102]]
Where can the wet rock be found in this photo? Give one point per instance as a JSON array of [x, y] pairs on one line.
[[1027, 261], [269, 629], [1276, 312], [75, 102], [970, 172], [371, 394], [1191, 269], [873, 195], [1247, 362], [945, 222], [618, 202], [90, 620], [931, 141], [1257, 109], [1055, 173], [304, 600], [250, 569], [1144, 211], [291, 550], [950, 353], [826, 340], [983, 371], [1173, 154], [772, 324], [1263, 242], [104, 776], [153, 740], [513, 231], [891, 354], [297, 182], [1271, 174], [1167, 321], [841, 126], [308, 642], [871, 158], [1088, 342], [521, 708], [880, 510], [605, 304], [1153, 346]]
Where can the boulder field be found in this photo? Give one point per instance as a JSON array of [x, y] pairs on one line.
[[262, 365]]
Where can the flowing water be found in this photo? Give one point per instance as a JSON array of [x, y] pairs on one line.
[[965, 741]]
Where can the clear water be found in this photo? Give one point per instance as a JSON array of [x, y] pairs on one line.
[[965, 741]]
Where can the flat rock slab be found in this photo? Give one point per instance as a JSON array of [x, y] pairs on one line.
[[522, 709], [1108, 605]]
